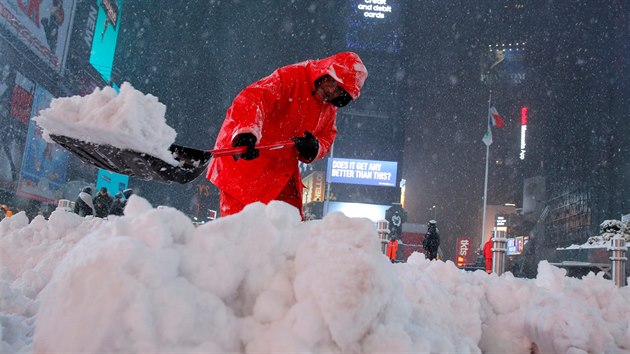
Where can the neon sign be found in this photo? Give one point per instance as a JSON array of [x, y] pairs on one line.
[[523, 131]]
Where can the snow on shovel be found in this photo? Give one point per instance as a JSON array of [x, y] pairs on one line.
[[126, 133]]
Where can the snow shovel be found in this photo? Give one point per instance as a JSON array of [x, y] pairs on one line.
[[192, 162]]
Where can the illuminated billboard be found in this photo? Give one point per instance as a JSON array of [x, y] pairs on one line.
[[373, 25], [366, 172], [105, 36], [44, 164], [43, 26], [314, 187], [374, 212], [503, 65], [465, 253], [515, 245], [114, 182]]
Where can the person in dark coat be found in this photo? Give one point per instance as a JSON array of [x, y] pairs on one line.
[[431, 242], [120, 202], [83, 206], [102, 203], [118, 205]]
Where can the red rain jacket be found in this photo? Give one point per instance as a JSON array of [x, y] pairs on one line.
[[277, 108], [487, 254]]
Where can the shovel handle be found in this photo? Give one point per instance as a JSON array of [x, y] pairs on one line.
[[243, 149]]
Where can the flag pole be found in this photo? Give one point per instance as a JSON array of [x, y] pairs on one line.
[[485, 182], [327, 195]]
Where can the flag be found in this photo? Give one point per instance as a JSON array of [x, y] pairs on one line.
[[487, 137], [495, 118]]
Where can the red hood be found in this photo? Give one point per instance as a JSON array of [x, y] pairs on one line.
[[346, 68]]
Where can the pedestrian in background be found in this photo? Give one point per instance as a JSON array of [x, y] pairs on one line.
[[120, 202], [84, 206], [431, 242], [5, 211], [392, 250], [102, 202], [487, 254]]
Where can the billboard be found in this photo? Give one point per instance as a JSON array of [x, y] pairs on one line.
[[314, 187], [114, 182], [105, 36], [365, 172], [42, 25], [465, 254], [515, 245], [16, 99], [503, 65], [44, 164], [374, 212], [373, 25]]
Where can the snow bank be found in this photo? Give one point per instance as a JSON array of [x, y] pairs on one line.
[[262, 281]]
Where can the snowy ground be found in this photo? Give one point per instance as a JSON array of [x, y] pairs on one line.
[[262, 281]]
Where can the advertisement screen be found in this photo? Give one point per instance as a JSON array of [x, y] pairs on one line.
[[366, 172], [503, 65], [373, 25], [114, 182], [515, 245], [374, 212], [465, 253], [44, 164], [16, 99], [105, 36], [43, 25]]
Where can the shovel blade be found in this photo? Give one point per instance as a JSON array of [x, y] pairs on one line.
[[191, 162]]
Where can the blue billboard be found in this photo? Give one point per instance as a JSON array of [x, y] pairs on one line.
[[114, 182], [105, 36], [366, 172], [44, 164]]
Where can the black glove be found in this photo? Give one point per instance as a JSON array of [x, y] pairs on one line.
[[307, 146], [249, 140]]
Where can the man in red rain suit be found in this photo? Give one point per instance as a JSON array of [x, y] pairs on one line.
[[487, 254], [298, 102]]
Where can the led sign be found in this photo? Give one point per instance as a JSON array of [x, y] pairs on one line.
[[374, 8], [523, 131], [367, 172]]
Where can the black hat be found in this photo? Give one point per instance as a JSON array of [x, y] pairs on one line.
[[87, 190], [127, 193]]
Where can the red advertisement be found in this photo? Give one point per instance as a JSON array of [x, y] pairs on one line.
[[22, 99], [21, 104], [465, 252], [42, 25]]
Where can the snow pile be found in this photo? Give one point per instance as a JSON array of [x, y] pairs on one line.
[[127, 120], [608, 230], [262, 281]]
